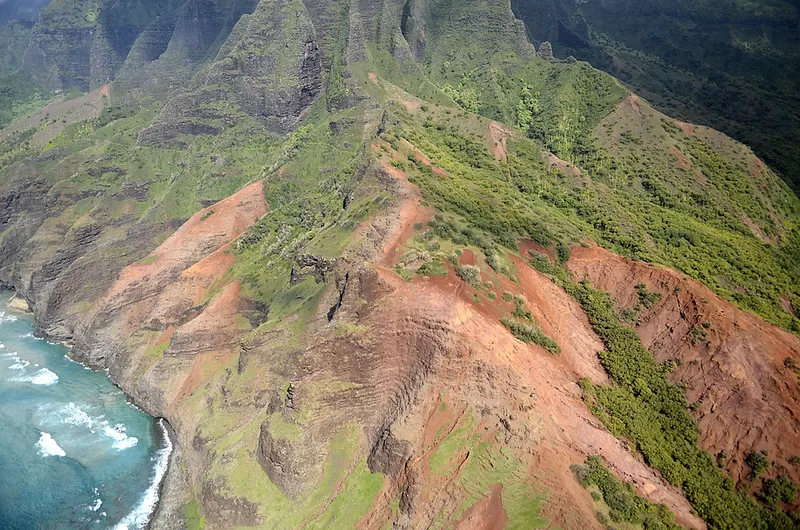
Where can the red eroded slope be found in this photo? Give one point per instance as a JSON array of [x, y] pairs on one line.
[[160, 319], [746, 397]]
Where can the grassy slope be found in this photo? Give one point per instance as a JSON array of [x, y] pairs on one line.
[[482, 202], [731, 65]]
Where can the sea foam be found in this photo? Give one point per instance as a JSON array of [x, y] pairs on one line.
[[121, 439], [74, 415], [48, 446], [42, 377], [140, 515]]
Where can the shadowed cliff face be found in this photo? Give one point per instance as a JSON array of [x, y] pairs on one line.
[[21, 10], [732, 66], [84, 44], [334, 245]]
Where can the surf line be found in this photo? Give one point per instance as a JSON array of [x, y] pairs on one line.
[[140, 515]]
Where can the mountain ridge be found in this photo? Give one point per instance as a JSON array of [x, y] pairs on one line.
[[340, 259]]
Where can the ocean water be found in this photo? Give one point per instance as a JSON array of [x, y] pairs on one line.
[[74, 453]]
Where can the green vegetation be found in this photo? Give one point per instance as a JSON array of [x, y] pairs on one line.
[[635, 203], [469, 273], [647, 298], [624, 505], [758, 462], [20, 95], [644, 407], [530, 333], [435, 267], [678, 53], [193, 517], [479, 464], [778, 489], [715, 215]]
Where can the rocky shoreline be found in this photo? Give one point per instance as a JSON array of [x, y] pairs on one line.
[[173, 491]]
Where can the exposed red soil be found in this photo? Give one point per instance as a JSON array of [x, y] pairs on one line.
[[746, 398], [559, 425], [562, 165], [499, 135], [219, 320], [526, 246], [688, 128], [683, 162], [410, 213], [558, 430], [758, 170], [486, 514], [633, 102], [422, 157], [373, 78], [166, 292], [786, 304], [755, 229]]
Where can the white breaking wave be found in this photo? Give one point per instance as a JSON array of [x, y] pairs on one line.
[[19, 364], [98, 502], [74, 415], [121, 439], [9, 318], [140, 515], [42, 377], [48, 446]]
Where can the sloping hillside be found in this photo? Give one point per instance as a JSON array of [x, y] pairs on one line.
[[387, 264]]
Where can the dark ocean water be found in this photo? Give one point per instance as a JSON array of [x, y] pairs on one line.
[[74, 453]]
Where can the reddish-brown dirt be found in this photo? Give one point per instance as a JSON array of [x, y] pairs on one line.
[[755, 229], [526, 246], [532, 390], [558, 429], [486, 514], [687, 128], [633, 102], [734, 363], [482, 366], [562, 165], [758, 170], [169, 293], [409, 214], [422, 157], [683, 162], [499, 135]]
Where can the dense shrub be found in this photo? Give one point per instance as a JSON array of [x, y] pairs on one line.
[[644, 407], [529, 333], [625, 506]]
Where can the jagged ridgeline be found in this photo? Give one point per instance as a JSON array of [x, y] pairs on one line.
[[732, 65], [334, 244]]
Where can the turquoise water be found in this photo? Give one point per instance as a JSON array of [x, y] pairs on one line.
[[74, 453]]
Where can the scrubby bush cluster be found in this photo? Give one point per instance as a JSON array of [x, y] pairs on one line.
[[624, 505], [644, 407]]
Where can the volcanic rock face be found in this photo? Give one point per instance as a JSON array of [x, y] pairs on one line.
[[313, 374], [159, 302], [271, 67], [737, 368]]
